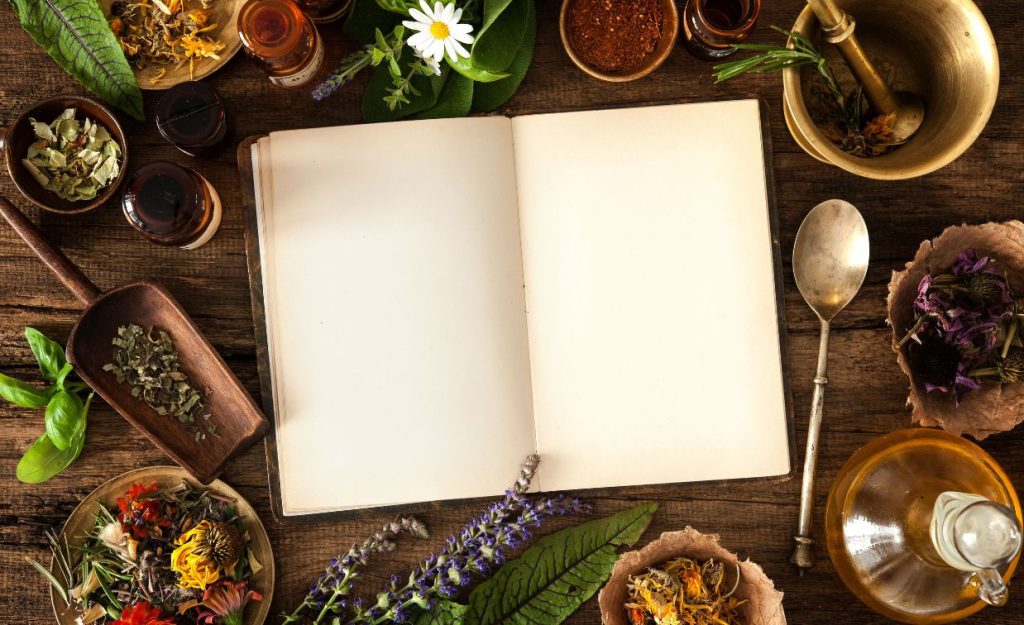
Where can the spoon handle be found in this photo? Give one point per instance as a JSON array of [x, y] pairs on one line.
[[803, 554]]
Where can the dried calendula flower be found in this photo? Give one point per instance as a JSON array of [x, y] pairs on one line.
[[74, 159], [165, 32], [684, 592], [150, 365]]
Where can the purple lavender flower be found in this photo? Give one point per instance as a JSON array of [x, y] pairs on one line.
[[476, 550], [328, 595]]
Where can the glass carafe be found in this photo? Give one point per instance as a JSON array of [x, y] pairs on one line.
[[924, 527]]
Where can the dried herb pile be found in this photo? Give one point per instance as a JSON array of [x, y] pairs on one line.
[[74, 159], [150, 365], [615, 35], [171, 32], [684, 592]]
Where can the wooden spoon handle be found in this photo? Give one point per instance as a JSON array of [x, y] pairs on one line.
[[65, 270]]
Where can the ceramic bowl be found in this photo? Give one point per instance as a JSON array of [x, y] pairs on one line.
[[82, 521], [667, 41], [14, 142], [763, 602], [160, 77]]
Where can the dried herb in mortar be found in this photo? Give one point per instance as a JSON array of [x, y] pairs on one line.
[[151, 366], [684, 591]]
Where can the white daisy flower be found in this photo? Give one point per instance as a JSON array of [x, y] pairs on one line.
[[438, 31], [429, 62]]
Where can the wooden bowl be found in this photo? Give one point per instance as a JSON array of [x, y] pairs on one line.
[[667, 41], [15, 140], [82, 521], [763, 603], [226, 15]]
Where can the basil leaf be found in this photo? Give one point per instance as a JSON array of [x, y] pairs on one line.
[[21, 394], [49, 354], [553, 578], [75, 33], [43, 459], [62, 375], [65, 419], [489, 96], [455, 100], [498, 43]]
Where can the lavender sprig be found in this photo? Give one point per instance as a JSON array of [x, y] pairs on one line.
[[476, 550], [329, 594]]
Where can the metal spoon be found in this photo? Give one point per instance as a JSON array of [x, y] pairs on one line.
[[830, 260]]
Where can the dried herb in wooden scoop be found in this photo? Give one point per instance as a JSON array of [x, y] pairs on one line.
[[151, 366]]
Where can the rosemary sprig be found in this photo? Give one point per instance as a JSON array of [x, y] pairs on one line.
[[62, 564]]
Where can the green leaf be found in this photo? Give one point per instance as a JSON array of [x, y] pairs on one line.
[[365, 17], [75, 33], [428, 88], [444, 613], [489, 96], [49, 354], [43, 459], [499, 40], [455, 100], [398, 6], [65, 419], [465, 67], [553, 578], [21, 394]]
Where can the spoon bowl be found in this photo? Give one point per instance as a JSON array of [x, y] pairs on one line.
[[830, 257]]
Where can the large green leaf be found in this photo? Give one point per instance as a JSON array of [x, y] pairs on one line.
[[49, 354], [75, 33], [465, 67], [455, 100], [64, 419], [551, 579], [22, 394], [500, 39], [489, 96]]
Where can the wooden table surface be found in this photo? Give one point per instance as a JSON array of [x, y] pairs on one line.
[[865, 396]]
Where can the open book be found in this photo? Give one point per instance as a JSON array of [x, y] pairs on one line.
[[445, 297]]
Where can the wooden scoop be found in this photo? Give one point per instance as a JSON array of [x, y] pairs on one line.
[[237, 420]]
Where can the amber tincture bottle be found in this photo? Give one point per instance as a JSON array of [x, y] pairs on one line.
[[282, 39], [324, 11], [172, 205], [192, 117]]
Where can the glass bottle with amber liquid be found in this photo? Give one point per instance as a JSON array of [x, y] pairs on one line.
[[282, 40]]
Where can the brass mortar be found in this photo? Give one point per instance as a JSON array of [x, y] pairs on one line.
[[942, 50]]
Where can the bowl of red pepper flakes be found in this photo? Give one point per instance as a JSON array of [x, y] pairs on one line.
[[618, 40]]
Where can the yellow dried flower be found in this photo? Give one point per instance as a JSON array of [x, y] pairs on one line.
[[203, 552]]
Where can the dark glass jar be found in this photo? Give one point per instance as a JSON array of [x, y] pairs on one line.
[[282, 40], [711, 27], [192, 117], [324, 11], [172, 205]]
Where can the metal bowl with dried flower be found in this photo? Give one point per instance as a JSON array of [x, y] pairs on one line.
[[956, 312], [152, 546]]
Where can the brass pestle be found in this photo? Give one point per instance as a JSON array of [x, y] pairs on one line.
[[837, 26]]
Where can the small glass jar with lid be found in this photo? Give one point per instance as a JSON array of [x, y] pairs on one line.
[[325, 11], [712, 27], [192, 117], [282, 40], [172, 205]]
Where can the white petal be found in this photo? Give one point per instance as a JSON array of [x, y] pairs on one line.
[[455, 17], [436, 50], [449, 47], [458, 47], [426, 10], [438, 10], [419, 16], [461, 28], [467, 39], [414, 26], [420, 41], [446, 15]]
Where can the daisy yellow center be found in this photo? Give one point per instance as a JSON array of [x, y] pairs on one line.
[[439, 30]]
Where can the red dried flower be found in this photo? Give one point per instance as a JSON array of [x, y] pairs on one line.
[[142, 613], [142, 511]]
